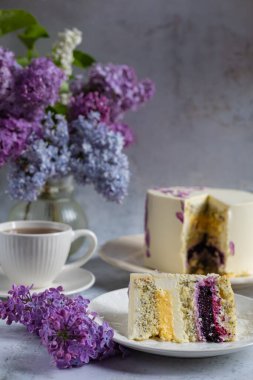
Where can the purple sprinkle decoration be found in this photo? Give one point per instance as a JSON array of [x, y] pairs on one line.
[[147, 233], [182, 192], [232, 247], [147, 238], [180, 216]]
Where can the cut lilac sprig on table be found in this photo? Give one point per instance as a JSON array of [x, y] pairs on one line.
[[65, 326]]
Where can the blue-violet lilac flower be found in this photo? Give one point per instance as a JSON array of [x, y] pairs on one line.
[[97, 158], [46, 156], [125, 131]]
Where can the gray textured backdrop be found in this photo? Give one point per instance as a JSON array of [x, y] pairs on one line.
[[198, 129]]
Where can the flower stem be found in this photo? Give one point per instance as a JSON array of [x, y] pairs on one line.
[[27, 210]]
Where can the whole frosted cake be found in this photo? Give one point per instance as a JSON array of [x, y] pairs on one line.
[[181, 308], [199, 230]]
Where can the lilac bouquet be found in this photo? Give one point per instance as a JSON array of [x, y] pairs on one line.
[[53, 123], [65, 326]]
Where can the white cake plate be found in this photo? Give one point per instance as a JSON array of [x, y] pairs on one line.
[[113, 307], [126, 253]]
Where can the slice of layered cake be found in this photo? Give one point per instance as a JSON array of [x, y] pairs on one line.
[[181, 308]]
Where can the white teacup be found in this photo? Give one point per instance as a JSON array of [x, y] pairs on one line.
[[35, 252]]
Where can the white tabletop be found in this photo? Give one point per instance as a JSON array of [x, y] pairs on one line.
[[16, 363]]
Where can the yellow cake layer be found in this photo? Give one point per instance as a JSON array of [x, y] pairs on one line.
[[165, 315]]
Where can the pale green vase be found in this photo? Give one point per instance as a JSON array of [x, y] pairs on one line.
[[56, 203]]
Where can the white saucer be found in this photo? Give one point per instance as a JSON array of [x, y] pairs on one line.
[[72, 280], [126, 253], [113, 307]]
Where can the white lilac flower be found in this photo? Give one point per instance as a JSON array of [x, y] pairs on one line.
[[64, 47]]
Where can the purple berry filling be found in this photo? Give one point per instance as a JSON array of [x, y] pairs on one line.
[[206, 319], [205, 258]]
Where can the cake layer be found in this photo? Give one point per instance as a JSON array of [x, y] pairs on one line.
[[199, 230], [181, 308]]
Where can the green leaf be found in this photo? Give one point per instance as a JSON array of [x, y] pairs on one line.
[[14, 19], [23, 61], [32, 34], [82, 59], [58, 108]]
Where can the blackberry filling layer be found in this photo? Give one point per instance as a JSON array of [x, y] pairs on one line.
[[205, 315], [205, 258]]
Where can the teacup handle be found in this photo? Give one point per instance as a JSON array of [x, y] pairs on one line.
[[92, 247]]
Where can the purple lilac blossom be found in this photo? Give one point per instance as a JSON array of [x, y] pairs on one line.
[[46, 156], [29, 308], [73, 338], [97, 158], [77, 85], [120, 85], [66, 327], [36, 87], [19, 110], [84, 104], [39, 83], [13, 137], [8, 69]]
